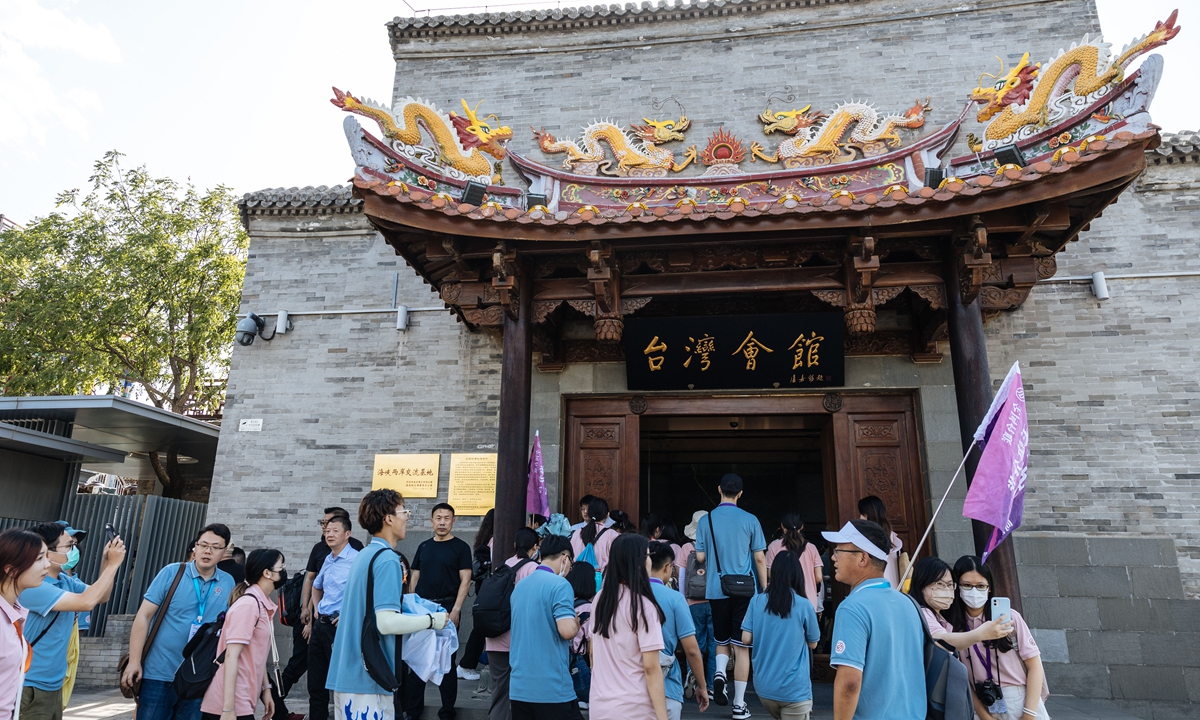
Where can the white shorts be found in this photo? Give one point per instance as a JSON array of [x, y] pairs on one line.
[[1014, 697], [360, 705]]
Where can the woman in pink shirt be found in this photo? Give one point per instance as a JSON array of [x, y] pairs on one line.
[[792, 540], [626, 630], [526, 542], [246, 642], [932, 587], [23, 565], [595, 534]]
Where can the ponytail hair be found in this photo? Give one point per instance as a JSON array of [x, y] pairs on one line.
[[257, 562], [597, 512], [793, 535]]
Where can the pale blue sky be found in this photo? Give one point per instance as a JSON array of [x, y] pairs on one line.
[[234, 92]]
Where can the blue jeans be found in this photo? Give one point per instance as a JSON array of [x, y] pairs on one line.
[[702, 619], [158, 701], [581, 677]]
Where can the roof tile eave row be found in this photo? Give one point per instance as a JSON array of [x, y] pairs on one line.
[[838, 202], [336, 196], [401, 23]]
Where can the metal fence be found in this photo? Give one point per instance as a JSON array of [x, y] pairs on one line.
[[156, 531]]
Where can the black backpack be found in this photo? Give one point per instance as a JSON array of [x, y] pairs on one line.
[[947, 685], [289, 600], [374, 658], [492, 613], [200, 661]]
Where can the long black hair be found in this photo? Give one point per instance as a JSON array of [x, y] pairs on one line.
[[621, 522], [582, 577], [650, 526], [487, 527], [787, 581], [524, 541], [626, 566], [257, 562], [926, 572], [792, 533], [597, 513], [957, 614], [670, 533], [872, 508]]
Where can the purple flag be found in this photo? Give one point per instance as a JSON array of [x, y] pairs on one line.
[[535, 494], [997, 494]]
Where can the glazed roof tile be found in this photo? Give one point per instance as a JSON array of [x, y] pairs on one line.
[[294, 197], [1183, 142], [685, 210]]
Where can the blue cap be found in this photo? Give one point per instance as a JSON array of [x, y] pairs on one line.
[[77, 534]]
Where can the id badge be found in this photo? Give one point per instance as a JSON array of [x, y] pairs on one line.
[[192, 631], [999, 708]]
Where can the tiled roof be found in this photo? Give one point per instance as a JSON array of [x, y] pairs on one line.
[[1183, 146], [691, 211], [309, 200], [566, 18]]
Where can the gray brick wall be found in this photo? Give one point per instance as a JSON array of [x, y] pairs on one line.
[[98, 656]]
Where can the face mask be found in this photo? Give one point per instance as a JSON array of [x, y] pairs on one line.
[[974, 599], [72, 559], [939, 599], [283, 578]]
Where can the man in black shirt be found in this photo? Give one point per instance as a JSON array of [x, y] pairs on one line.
[[441, 572], [234, 563], [298, 664]]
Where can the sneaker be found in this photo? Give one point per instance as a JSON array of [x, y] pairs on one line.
[[466, 674], [720, 696], [689, 687], [741, 712], [583, 705]]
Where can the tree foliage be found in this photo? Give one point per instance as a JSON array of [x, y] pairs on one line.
[[138, 281]]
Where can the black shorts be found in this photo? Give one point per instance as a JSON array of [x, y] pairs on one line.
[[727, 616], [546, 711]]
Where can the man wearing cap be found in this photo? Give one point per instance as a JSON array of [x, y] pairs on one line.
[[878, 640], [82, 620], [52, 609], [735, 539]]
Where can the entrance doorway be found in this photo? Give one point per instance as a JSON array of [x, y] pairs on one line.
[[779, 457]]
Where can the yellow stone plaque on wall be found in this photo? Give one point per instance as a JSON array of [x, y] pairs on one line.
[[412, 475], [472, 483]]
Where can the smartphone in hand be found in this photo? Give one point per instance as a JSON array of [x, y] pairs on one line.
[[1001, 607], [112, 532]]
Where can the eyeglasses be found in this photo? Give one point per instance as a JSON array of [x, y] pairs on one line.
[[401, 512], [943, 585], [68, 546], [839, 550], [983, 587], [210, 548]]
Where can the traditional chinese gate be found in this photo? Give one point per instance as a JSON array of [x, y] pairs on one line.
[[871, 448]]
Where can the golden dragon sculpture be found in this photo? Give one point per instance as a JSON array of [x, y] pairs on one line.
[[461, 139], [637, 155], [821, 140], [1027, 97]]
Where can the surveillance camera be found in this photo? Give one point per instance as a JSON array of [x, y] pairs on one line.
[[733, 424], [247, 328]]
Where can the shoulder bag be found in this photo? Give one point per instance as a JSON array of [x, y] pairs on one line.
[[373, 656], [132, 691], [731, 585]]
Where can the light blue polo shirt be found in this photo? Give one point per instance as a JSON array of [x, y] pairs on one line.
[[539, 656], [49, 667], [347, 672], [779, 655], [331, 580], [196, 601], [739, 536], [677, 624], [878, 631]]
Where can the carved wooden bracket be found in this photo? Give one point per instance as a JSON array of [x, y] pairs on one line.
[[609, 326], [504, 265], [997, 298], [975, 258], [862, 263]]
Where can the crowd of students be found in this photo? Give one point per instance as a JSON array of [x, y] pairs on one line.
[[627, 623]]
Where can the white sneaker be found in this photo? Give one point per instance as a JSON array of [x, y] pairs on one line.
[[741, 712], [583, 705], [466, 674]]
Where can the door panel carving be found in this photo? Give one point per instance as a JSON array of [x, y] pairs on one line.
[[602, 455]]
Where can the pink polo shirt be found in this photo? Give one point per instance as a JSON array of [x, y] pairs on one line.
[[601, 545], [935, 623], [1012, 665], [13, 655], [810, 564], [501, 644], [247, 623], [618, 677]]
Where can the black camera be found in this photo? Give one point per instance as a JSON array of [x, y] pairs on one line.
[[988, 692]]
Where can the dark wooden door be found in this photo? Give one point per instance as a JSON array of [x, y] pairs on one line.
[[602, 455], [877, 455]]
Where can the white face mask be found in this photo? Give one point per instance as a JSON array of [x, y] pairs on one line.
[[974, 599], [939, 599]]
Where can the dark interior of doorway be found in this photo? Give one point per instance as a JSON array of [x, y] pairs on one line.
[[779, 458]]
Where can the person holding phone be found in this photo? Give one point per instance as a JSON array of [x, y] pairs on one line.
[[1007, 678]]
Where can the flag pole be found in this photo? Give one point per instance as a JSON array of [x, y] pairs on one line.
[[908, 572]]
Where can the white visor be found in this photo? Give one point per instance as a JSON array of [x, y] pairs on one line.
[[850, 534]]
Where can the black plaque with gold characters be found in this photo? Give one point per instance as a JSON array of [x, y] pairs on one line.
[[736, 351]]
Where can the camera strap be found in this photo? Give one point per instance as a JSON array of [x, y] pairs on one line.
[[986, 660]]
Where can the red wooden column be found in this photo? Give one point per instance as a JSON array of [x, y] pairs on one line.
[[973, 391], [512, 462]]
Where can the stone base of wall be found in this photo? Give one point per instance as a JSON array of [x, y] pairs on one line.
[[98, 656], [1112, 622]]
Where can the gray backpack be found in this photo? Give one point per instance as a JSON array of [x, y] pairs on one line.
[[696, 578]]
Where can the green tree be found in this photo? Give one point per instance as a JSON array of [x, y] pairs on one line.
[[138, 281]]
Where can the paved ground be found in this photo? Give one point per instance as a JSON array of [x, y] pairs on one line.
[[102, 704]]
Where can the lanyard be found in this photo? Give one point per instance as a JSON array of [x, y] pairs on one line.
[[882, 583], [986, 659], [201, 600]]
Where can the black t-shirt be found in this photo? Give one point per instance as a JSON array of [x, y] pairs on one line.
[[234, 568], [321, 551], [439, 564]]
